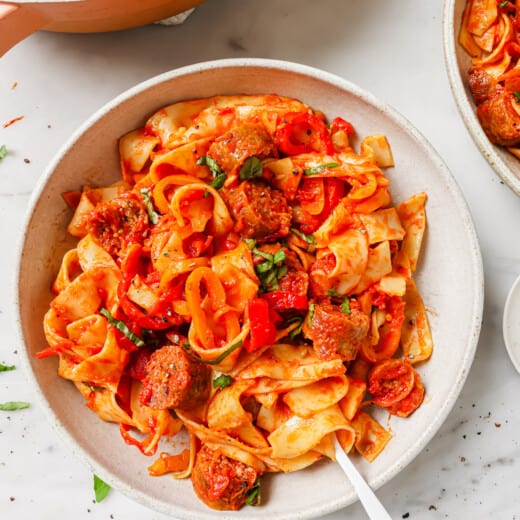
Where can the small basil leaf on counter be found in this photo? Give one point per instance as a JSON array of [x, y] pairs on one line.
[[6, 368], [101, 489], [11, 406]]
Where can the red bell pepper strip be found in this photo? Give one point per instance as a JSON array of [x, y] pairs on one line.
[[303, 133], [284, 301], [263, 330]]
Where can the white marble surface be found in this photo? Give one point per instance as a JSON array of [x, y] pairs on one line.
[[394, 50]]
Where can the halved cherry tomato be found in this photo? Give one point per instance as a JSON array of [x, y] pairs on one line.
[[389, 381], [338, 123], [389, 332], [303, 133], [411, 402]]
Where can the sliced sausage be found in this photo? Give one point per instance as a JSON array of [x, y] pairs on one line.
[[259, 211], [246, 140], [335, 333], [174, 380], [220, 482], [499, 119], [118, 222]]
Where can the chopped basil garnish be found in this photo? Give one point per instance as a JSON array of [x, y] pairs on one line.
[[332, 292], [11, 406], [252, 167], [3, 151], [101, 489], [312, 307], [254, 497], [517, 95], [270, 271], [6, 368], [307, 238], [93, 388], [186, 346], [208, 161], [345, 306], [250, 243], [503, 3], [320, 168], [297, 330], [122, 327], [219, 177], [222, 381], [218, 181], [152, 214]]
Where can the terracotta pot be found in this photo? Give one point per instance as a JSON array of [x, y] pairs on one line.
[[19, 20]]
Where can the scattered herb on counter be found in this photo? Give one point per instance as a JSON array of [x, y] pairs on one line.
[[101, 489], [11, 406], [320, 168], [3, 152], [122, 327], [222, 381], [6, 368]]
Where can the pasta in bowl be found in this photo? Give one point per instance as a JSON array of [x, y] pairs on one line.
[[240, 294]]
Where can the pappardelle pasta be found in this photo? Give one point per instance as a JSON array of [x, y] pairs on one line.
[[489, 34], [248, 280]]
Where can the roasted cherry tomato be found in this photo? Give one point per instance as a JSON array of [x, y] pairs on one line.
[[390, 381], [303, 133]]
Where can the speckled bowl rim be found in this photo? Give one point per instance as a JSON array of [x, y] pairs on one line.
[[465, 106], [447, 178]]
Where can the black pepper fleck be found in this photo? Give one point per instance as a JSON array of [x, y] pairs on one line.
[[406, 515], [26, 161]]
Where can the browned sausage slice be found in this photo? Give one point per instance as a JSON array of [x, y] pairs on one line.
[[220, 482], [334, 333], [174, 380]]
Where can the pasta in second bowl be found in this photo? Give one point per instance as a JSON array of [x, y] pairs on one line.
[[251, 256]]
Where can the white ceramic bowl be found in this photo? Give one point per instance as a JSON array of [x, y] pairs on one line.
[[449, 277], [457, 63]]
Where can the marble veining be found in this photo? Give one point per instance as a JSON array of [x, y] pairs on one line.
[[392, 49]]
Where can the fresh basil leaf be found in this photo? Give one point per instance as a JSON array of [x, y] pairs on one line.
[[222, 381], [6, 368], [3, 152], [320, 168], [122, 327], [281, 271], [279, 256], [186, 346], [254, 496], [267, 256], [152, 214], [297, 330], [308, 238], [345, 306], [264, 266], [218, 181], [213, 165], [252, 167], [517, 95], [250, 243], [101, 489], [11, 406], [312, 308]]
